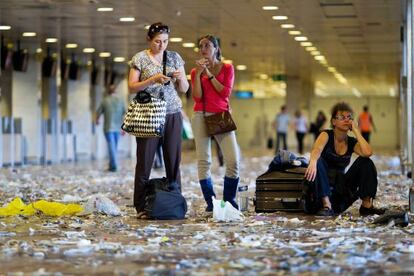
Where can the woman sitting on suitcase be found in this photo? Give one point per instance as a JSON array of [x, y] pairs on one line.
[[334, 189]]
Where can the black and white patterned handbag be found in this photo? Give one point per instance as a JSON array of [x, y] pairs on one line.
[[146, 113], [145, 116]]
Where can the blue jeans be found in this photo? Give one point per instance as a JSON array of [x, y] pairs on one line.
[[112, 138]]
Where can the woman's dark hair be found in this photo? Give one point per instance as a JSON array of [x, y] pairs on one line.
[[216, 44], [157, 28], [342, 106]]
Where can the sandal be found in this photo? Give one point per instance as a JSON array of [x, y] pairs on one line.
[[142, 215], [325, 212]]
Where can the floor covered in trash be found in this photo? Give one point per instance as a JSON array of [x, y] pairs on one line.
[[271, 243]]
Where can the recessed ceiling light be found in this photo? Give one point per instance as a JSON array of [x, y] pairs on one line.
[[287, 26], [279, 17], [88, 50], [263, 76], [270, 8], [315, 53], [71, 45], [4, 28], [105, 9], [306, 44], [147, 27], [188, 45], [188, 77], [104, 54], [119, 59], [38, 50], [241, 67], [319, 57], [294, 32], [301, 38], [127, 19], [310, 48], [332, 69], [51, 40], [196, 49], [29, 34], [228, 61], [176, 39]]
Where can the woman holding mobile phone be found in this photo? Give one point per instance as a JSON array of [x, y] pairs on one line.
[[212, 83], [146, 73]]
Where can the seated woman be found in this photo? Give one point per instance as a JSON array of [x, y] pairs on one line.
[[334, 189]]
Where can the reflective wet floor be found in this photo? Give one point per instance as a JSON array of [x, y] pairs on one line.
[[271, 243]]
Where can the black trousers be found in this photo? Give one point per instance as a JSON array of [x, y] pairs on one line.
[[359, 181], [146, 148], [366, 135], [299, 137]]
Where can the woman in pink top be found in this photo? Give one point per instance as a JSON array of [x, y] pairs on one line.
[[214, 79]]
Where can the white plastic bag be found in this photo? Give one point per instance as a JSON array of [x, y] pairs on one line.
[[101, 204], [224, 211]]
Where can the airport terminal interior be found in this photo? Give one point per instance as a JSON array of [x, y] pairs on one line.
[[64, 211]]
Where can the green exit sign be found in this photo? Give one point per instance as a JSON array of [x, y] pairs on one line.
[[279, 77]]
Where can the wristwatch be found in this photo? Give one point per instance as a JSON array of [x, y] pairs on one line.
[[210, 78]]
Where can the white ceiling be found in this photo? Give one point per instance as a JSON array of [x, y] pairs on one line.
[[360, 38]]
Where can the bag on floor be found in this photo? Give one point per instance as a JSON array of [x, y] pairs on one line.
[[224, 211], [164, 200]]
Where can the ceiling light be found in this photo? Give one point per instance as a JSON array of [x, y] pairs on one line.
[[228, 61], [51, 40], [331, 69], [196, 49], [309, 48], [127, 19], [104, 54], [147, 27], [38, 50], [319, 57], [241, 67], [263, 76], [279, 17], [176, 39], [306, 44], [89, 50], [71, 45], [188, 77], [119, 59], [188, 45], [270, 8], [105, 9], [301, 38], [392, 92], [315, 53], [294, 32], [356, 92], [323, 62], [29, 34], [287, 26], [4, 28]]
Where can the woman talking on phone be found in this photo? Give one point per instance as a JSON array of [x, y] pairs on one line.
[[146, 73], [334, 189], [212, 83]]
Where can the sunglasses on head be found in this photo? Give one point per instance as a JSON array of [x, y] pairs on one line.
[[159, 29], [344, 117]]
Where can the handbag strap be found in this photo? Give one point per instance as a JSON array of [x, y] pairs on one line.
[[203, 100]]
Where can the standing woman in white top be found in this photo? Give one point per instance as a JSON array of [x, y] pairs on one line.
[[146, 73], [301, 127]]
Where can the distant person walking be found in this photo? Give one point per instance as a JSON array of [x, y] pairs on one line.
[[113, 109], [366, 123], [281, 124], [301, 127], [317, 126]]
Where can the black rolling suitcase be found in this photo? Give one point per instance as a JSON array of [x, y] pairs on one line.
[[280, 190]]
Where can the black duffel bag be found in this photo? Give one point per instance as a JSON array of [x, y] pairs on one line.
[[164, 201]]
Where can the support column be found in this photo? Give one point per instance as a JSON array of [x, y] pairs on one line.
[[6, 116]]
